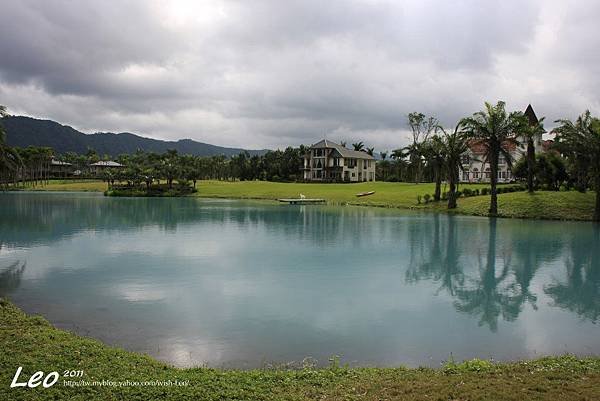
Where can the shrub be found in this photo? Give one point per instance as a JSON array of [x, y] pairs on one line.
[[427, 198], [485, 191], [444, 195], [419, 197], [467, 192]]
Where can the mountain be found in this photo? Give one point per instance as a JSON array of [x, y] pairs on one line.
[[25, 131]]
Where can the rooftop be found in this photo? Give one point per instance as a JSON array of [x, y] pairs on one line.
[[107, 163], [342, 150]]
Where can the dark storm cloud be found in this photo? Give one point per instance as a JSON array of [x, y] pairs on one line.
[[272, 73]]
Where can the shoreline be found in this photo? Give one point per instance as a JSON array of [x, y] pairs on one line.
[[542, 205], [37, 345]]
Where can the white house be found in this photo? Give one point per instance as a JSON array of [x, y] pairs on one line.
[[328, 161]]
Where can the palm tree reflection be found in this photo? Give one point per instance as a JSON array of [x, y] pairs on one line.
[[492, 294], [581, 291]]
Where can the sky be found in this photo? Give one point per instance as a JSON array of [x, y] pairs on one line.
[[270, 74]]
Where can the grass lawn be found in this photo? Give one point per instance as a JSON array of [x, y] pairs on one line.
[[570, 205], [31, 342], [387, 194], [72, 185], [541, 205]]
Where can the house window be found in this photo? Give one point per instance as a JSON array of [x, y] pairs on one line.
[[465, 176], [465, 159]]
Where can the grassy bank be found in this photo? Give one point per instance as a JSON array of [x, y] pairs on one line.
[[541, 205], [35, 345]]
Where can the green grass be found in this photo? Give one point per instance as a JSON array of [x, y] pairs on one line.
[[569, 205], [71, 185], [387, 194], [31, 342]]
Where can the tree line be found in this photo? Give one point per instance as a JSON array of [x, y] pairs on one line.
[[434, 154]]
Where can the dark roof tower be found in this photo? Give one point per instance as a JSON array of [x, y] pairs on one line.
[[530, 114]]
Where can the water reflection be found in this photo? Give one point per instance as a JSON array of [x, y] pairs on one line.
[[10, 277], [233, 283], [580, 292]]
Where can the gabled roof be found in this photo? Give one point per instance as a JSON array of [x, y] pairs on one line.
[[344, 152], [530, 114]]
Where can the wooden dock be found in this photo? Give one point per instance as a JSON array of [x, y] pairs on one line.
[[302, 201]]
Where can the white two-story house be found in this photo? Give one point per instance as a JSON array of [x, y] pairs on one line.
[[328, 161]]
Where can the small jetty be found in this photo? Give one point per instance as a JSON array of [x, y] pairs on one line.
[[365, 193], [302, 201]]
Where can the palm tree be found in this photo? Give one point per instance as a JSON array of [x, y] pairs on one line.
[[9, 157], [454, 145], [369, 151], [358, 146], [530, 132], [433, 150], [581, 141], [495, 129], [383, 155]]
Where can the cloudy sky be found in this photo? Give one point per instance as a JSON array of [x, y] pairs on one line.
[[267, 74]]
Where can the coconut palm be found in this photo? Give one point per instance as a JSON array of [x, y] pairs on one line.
[[358, 146], [455, 145], [10, 160], [433, 151], [581, 142], [530, 132], [495, 129]]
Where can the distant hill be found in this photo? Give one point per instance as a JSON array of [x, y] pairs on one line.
[[25, 131]]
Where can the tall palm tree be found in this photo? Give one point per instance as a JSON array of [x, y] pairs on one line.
[[383, 155], [370, 151], [454, 145], [358, 146], [495, 129], [433, 150], [581, 141], [414, 151], [530, 132]]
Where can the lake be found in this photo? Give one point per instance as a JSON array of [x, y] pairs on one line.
[[247, 284]]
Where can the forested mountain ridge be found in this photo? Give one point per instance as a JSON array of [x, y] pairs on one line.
[[24, 131]]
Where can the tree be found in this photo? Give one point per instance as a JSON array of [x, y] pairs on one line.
[[421, 127], [581, 141], [495, 129], [358, 146], [530, 132], [383, 155], [370, 151], [454, 145], [9, 157], [433, 150]]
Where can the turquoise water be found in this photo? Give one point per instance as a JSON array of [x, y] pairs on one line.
[[247, 284]]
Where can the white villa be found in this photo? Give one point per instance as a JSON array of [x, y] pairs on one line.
[[328, 161], [476, 169]]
